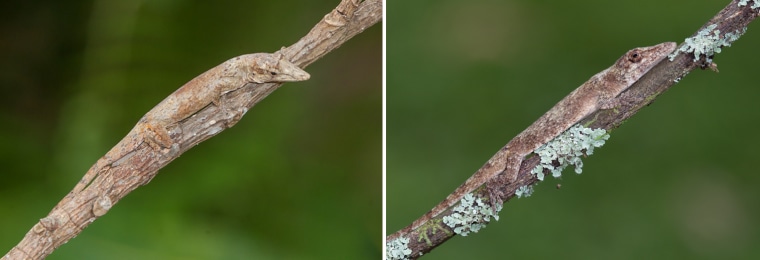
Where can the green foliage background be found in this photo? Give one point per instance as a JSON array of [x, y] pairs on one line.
[[677, 181], [297, 178]]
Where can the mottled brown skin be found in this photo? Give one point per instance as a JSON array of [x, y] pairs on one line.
[[208, 88], [196, 94], [599, 92]]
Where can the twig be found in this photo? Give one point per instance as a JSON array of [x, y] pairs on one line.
[[117, 177]]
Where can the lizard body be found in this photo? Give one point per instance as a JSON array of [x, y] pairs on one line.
[[599, 92], [207, 88]]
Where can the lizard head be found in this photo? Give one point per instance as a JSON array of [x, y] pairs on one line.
[[639, 61], [266, 67]]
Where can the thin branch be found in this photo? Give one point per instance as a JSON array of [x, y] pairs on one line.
[[732, 20], [138, 162]]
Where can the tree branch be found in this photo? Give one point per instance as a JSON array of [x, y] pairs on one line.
[[729, 22], [139, 163]]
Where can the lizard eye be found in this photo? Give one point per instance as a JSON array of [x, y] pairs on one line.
[[273, 73], [634, 57]]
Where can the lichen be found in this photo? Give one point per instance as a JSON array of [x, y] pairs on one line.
[[432, 226], [398, 249], [568, 149], [471, 215], [755, 4], [524, 191], [708, 42]]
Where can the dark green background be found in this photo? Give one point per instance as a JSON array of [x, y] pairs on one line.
[[297, 178], [679, 180]]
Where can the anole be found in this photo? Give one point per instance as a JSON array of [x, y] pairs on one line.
[[203, 90], [599, 92]]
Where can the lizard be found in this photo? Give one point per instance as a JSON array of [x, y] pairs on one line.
[[203, 90], [599, 92]]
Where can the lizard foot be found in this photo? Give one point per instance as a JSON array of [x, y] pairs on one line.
[[157, 137], [495, 194]]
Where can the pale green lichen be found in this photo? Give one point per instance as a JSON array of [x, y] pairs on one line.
[[471, 215], [567, 149], [432, 226], [524, 191], [755, 4], [708, 42], [397, 249]]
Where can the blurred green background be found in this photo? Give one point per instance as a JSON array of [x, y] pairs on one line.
[[298, 178], [677, 181]]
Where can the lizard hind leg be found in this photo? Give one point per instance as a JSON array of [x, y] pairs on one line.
[[496, 187], [155, 135]]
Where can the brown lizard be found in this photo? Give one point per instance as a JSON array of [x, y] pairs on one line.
[[599, 92], [196, 94]]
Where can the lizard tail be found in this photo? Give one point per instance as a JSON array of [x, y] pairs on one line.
[[469, 185]]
